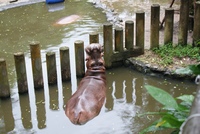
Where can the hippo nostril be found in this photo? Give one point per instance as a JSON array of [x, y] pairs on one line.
[[100, 64]]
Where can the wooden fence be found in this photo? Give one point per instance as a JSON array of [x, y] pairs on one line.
[[119, 44]]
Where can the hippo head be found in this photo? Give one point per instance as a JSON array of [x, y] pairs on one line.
[[94, 57]]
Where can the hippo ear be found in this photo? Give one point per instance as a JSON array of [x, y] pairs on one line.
[[87, 50]]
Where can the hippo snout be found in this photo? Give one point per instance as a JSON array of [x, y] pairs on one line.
[[78, 118]]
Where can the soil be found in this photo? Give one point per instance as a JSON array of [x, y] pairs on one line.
[[155, 61]]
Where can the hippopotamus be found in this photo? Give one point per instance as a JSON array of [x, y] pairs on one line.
[[87, 101]]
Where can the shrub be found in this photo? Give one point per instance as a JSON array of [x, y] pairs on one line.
[[172, 114]]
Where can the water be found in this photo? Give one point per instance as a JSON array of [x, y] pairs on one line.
[[42, 111]]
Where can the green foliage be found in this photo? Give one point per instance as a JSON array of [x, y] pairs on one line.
[[168, 52], [195, 69], [172, 114], [197, 43], [191, 69]]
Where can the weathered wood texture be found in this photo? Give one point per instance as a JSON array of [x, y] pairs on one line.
[[155, 20], [183, 22], [196, 32], [36, 65], [21, 72]]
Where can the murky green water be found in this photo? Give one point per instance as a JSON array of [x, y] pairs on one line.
[[41, 111]]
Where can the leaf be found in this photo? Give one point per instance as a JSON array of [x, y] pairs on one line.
[[162, 96], [186, 101], [186, 98], [151, 128], [195, 69], [184, 107], [169, 121]]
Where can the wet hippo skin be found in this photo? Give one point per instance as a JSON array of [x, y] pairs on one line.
[[87, 101]]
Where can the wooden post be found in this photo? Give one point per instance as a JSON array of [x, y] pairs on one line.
[[79, 56], [94, 37], [21, 72], [196, 32], [129, 34], [169, 24], [4, 84], [51, 67], [65, 63], [36, 65], [140, 30], [183, 22], [108, 44], [119, 39], [155, 20]]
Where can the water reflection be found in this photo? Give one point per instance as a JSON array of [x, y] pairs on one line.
[[6, 116], [42, 110], [53, 98], [25, 111]]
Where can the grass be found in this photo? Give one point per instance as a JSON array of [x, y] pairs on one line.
[[168, 52]]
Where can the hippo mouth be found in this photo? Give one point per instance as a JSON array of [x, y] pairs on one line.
[[97, 68]]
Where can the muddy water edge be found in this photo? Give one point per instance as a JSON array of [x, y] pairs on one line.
[[42, 111]]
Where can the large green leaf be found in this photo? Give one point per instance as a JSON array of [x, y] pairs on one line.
[[162, 96]]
